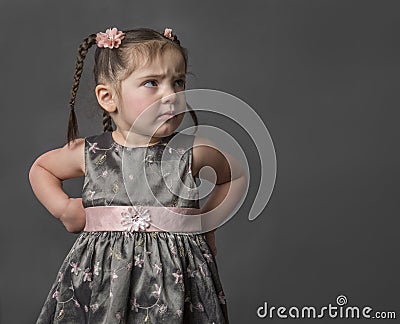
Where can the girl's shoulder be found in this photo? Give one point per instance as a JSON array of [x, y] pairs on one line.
[[65, 162], [74, 154], [207, 153]]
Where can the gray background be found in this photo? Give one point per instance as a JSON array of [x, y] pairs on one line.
[[323, 75]]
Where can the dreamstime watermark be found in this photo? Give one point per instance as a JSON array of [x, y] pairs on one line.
[[340, 310]]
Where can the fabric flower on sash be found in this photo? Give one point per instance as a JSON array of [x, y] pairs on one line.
[[136, 218]]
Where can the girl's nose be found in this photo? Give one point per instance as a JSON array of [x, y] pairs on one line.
[[169, 98]]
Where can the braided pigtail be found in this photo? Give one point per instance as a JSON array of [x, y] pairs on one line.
[[107, 122], [176, 40], [193, 115], [82, 51], [172, 37], [191, 111]]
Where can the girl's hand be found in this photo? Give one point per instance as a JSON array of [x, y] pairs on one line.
[[210, 238], [74, 216]]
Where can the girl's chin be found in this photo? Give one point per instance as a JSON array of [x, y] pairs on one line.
[[165, 129], [171, 121], [159, 128]]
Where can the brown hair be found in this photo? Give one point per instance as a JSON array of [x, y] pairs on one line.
[[114, 65]]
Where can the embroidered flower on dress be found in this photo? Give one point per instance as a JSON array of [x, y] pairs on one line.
[[117, 147], [158, 268], [208, 257], [200, 307], [55, 295], [94, 307], [202, 270], [88, 275], [138, 261], [111, 38], [135, 305], [178, 276], [114, 276], [136, 219], [91, 192], [96, 268], [93, 147], [173, 248], [156, 292], [149, 158], [190, 272], [163, 308], [75, 268], [181, 151], [179, 313], [86, 309]]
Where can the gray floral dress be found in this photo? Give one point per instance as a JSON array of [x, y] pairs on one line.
[[134, 275]]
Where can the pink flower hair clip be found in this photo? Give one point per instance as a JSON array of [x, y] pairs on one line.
[[111, 38], [168, 33]]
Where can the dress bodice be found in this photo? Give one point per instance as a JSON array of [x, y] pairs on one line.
[[157, 175]]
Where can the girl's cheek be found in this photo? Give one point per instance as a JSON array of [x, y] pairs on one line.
[[147, 105]]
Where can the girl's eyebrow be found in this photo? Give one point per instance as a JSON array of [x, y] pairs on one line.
[[180, 75]]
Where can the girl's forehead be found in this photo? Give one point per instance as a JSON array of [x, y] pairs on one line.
[[167, 62]]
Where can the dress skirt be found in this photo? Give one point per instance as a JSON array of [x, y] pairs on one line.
[[137, 277]]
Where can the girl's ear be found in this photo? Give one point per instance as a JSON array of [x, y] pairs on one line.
[[106, 97]]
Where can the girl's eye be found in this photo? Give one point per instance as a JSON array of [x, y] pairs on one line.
[[180, 83], [150, 81]]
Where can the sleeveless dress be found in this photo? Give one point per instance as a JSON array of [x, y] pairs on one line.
[[121, 270]]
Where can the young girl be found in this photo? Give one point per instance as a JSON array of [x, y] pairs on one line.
[[141, 255]]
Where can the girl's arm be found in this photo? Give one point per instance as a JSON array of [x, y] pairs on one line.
[[46, 176], [230, 183]]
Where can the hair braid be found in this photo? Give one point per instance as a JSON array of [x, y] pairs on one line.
[[191, 111], [107, 122], [193, 115], [82, 51], [176, 40]]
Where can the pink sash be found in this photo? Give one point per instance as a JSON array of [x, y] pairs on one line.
[[142, 219]]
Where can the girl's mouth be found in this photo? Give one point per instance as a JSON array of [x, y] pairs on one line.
[[167, 115]]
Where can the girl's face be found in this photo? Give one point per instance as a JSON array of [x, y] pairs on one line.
[[151, 91]]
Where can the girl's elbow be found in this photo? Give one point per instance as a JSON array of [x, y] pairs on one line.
[[72, 228], [32, 172]]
